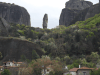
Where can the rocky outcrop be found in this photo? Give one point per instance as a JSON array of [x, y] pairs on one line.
[[78, 4], [13, 48], [95, 9], [87, 13], [14, 14], [45, 21], [4, 27], [71, 10], [67, 16]]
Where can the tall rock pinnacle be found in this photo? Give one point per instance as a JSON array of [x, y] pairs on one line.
[[45, 21]]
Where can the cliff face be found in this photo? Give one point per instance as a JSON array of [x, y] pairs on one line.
[[87, 13], [14, 14], [71, 10], [4, 27], [67, 16], [95, 9], [78, 4], [13, 48]]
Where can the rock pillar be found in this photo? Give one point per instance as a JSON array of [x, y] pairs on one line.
[[45, 21]]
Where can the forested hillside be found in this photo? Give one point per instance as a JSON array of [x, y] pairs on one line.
[[77, 39]]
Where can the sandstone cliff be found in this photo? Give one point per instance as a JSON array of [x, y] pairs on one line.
[[73, 8], [13, 48], [14, 14]]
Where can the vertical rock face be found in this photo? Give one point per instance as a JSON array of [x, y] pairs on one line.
[[14, 14], [45, 21], [95, 9], [71, 10], [4, 27], [78, 4]]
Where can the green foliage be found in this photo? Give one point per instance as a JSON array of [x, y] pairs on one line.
[[34, 32], [95, 72], [80, 38], [34, 55], [1, 55], [21, 32], [70, 66], [23, 57], [6, 72]]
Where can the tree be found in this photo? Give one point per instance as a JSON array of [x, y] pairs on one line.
[[41, 64], [23, 57], [34, 55], [1, 55], [6, 72], [95, 72]]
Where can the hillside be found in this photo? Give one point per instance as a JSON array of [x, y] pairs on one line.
[[79, 39]]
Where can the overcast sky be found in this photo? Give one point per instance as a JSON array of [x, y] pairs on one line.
[[37, 9]]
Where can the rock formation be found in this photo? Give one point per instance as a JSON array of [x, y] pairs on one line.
[[78, 4], [13, 48], [71, 10], [45, 21], [14, 14], [87, 13], [4, 27]]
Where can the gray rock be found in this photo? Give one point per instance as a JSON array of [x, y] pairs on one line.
[[80, 16], [71, 10], [95, 9], [14, 14], [67, 16], [4, 27], [45, 21], [87, 13], [13, 48], [78, 4]]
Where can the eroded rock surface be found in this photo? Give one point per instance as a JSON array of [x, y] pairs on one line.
[[45, 21], [4, 27], [71, 10], [13, 48], [14, 14]]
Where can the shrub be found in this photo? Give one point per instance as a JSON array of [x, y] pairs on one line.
[[6, 72]]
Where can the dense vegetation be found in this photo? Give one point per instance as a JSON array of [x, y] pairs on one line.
[[81, 38], [73, 45]]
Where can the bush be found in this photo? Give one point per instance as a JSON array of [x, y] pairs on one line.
[[6, 72], [95, 72]]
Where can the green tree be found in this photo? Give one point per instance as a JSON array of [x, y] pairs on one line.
[[23, 58], [34, 55], [95, 72], [1, 55], [6, 72]]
